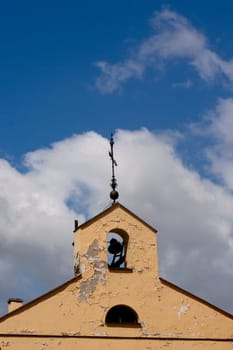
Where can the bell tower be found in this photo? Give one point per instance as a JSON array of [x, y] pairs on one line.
[[116, 247], [118, 250]]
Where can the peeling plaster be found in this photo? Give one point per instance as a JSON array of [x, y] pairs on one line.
[[183, 309], [144, 330], [77, 264], [82, 268], [4, 344], [99, 276]]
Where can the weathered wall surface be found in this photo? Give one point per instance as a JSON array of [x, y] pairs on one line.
[[24, 343], [168, 317], [162, 310]]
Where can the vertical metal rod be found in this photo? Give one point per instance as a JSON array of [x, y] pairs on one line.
[[114, 194]]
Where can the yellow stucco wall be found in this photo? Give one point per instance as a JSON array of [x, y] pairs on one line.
[[42, 343], [74, 314]]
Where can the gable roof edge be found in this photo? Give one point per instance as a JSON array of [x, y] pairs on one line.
[[40, 298], [111, 208], [193, 296]]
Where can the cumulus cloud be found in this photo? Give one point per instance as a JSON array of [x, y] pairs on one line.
[[174, 37], [219, 125], [192, 214], [38, 208], [71, 179]]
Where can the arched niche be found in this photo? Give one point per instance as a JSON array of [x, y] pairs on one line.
[[121, 315], [117, 243]]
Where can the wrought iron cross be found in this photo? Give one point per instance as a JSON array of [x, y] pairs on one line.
[[113, 194]]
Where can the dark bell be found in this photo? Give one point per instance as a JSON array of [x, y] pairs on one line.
[[115, 247], [114, 195]]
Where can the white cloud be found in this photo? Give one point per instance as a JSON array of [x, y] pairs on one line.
[[222, 121], [174, 37], [187, 84], [193, 215], [220, 126], [114, 75], [36, 221]]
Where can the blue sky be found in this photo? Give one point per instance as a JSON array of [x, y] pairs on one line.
[[158, 73], [48, 69]]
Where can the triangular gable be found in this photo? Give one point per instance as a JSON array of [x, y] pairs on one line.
[[109, 210], [164, 310]]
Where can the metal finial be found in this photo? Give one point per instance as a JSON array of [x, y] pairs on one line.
[[113, 194]]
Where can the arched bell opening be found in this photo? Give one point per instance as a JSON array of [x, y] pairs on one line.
[[117, 242], [121, 315]]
